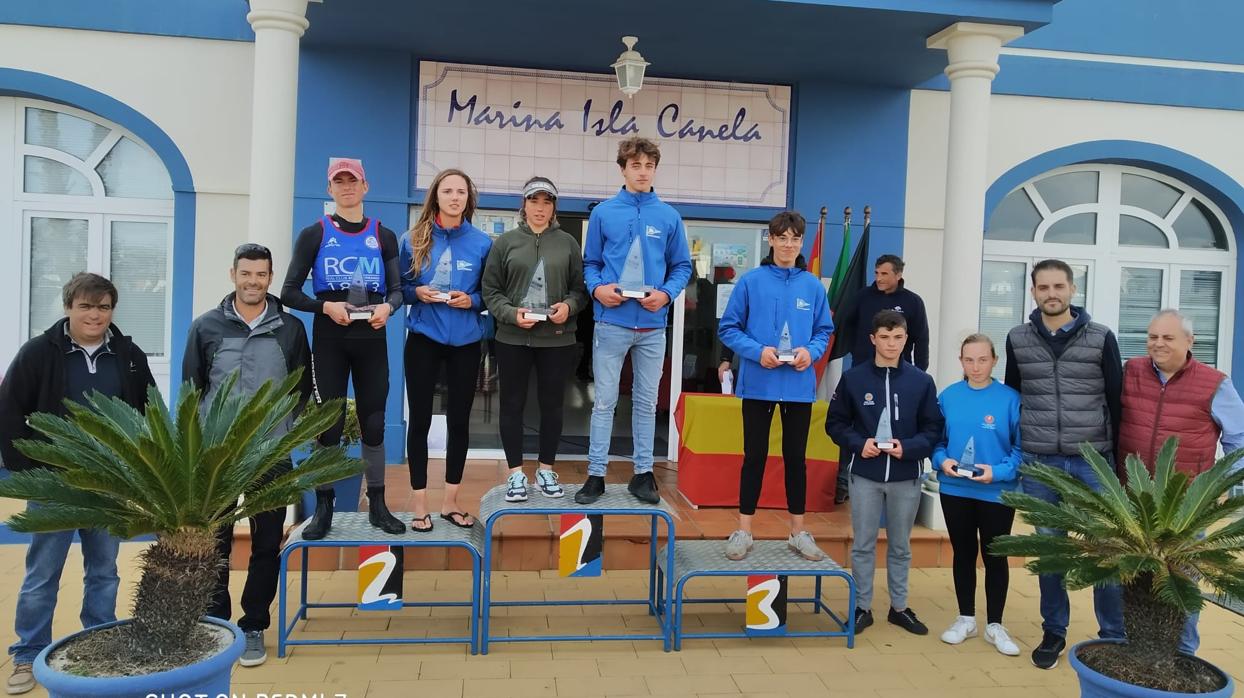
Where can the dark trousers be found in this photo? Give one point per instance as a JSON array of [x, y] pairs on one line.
[[972, 525], [552, 367], [262, 573], [757, 418], [423, 358]]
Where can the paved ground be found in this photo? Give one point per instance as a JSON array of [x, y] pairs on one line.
[[885, 662]]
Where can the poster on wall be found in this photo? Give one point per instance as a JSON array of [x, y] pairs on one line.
[[721, 143]]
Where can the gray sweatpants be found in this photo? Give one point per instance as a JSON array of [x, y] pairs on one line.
[[899, 501]]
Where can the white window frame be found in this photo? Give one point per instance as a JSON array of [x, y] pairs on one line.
[[18, 206], [1107, 257]]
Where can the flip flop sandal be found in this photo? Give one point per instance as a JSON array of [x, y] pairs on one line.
[[450, 518], [416, 529]]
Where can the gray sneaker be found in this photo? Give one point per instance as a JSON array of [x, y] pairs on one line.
[[254, 654], [738, 545], [22, 680], [805, 546]]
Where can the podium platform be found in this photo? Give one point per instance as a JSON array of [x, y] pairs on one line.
[[352, 529], [705, 558], [615, 502]]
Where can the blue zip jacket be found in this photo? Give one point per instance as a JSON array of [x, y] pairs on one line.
[[437, 321], [990, 417], [667, 260], [915, 419], [764, 300]]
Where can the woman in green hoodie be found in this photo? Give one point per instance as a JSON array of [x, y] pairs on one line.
[[533, 287]]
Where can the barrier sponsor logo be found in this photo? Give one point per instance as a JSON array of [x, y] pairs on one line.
[[380, 578], [766, 605], [579, 550]]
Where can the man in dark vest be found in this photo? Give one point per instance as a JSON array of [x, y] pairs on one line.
[[1169, 393], [1069, 375]]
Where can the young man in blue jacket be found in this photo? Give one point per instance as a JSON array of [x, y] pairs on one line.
[[778, 324], [885, 468], [626, 324]]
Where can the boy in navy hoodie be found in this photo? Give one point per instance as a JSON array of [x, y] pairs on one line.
[[885, 419], [631, 314], [778, 324]]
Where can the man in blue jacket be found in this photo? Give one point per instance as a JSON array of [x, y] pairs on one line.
[[885, 468], [625, 324]]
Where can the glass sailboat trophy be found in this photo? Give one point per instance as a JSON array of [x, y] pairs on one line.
[[631, 283], [442, 280], [357, 304], [967, 464], [785, 353], [537, 299], [885, 436]]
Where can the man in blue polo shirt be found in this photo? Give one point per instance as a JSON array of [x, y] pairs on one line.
[[635, 261]]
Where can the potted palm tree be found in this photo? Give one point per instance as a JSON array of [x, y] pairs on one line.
[[178, 476], [1158, 537]]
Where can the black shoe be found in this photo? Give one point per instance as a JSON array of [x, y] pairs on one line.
[[863, 619], [322, 519], [378, 513], [644, 487], [1046, 655], [907, 620], [591, 490]]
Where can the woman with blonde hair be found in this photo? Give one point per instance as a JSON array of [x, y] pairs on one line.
[[534, 288], [442, 258], [979, 458]]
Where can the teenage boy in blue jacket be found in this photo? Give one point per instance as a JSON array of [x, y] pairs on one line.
[[631, 325], [778, 299], [885, 474]]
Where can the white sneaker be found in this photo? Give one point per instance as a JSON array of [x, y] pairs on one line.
[[963, 628], [516, 490], [997, 636]]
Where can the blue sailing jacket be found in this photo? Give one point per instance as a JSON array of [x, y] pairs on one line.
[[455, 327], [611, 228], [765, 300]]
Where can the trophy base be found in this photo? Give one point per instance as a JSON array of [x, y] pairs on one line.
[[967, 471], [786, 358], [633, 294], [537, 316], [441, 295], [885, 445], [359, 312]]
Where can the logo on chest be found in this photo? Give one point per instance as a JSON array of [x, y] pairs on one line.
[[371, 242], [989, 423], [868, 400], [801, 304], [653, 232], [464, 265], [332, 242]]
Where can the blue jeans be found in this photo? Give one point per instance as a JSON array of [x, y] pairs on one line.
[[45, 560], [610, 345], [1055, 606]]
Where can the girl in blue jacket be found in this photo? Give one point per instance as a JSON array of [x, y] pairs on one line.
[[776, 307], [442, 258], [978, 456]]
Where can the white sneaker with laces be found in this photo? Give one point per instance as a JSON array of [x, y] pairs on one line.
[[546, 482], [997, 636], [963, 628], [516, 490]]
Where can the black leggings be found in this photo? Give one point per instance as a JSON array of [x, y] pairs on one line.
[[972, 525], [423, 359], [334, 361], [552, 366], [757, 418]]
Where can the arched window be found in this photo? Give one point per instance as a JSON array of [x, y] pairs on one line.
[[86, 195], [1138, 241]]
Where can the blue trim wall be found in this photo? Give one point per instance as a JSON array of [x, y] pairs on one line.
[[1224, 191], [21, 83], [200, 19]]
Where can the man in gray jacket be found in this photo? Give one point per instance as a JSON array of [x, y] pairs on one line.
[[249, 332], [1069, 376]]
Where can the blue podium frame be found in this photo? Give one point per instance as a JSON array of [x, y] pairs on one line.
[[742, 568], [615, 502], [344, 524]]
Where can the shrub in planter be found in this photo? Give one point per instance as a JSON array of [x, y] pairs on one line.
[[176, 475], [1159, 536]]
